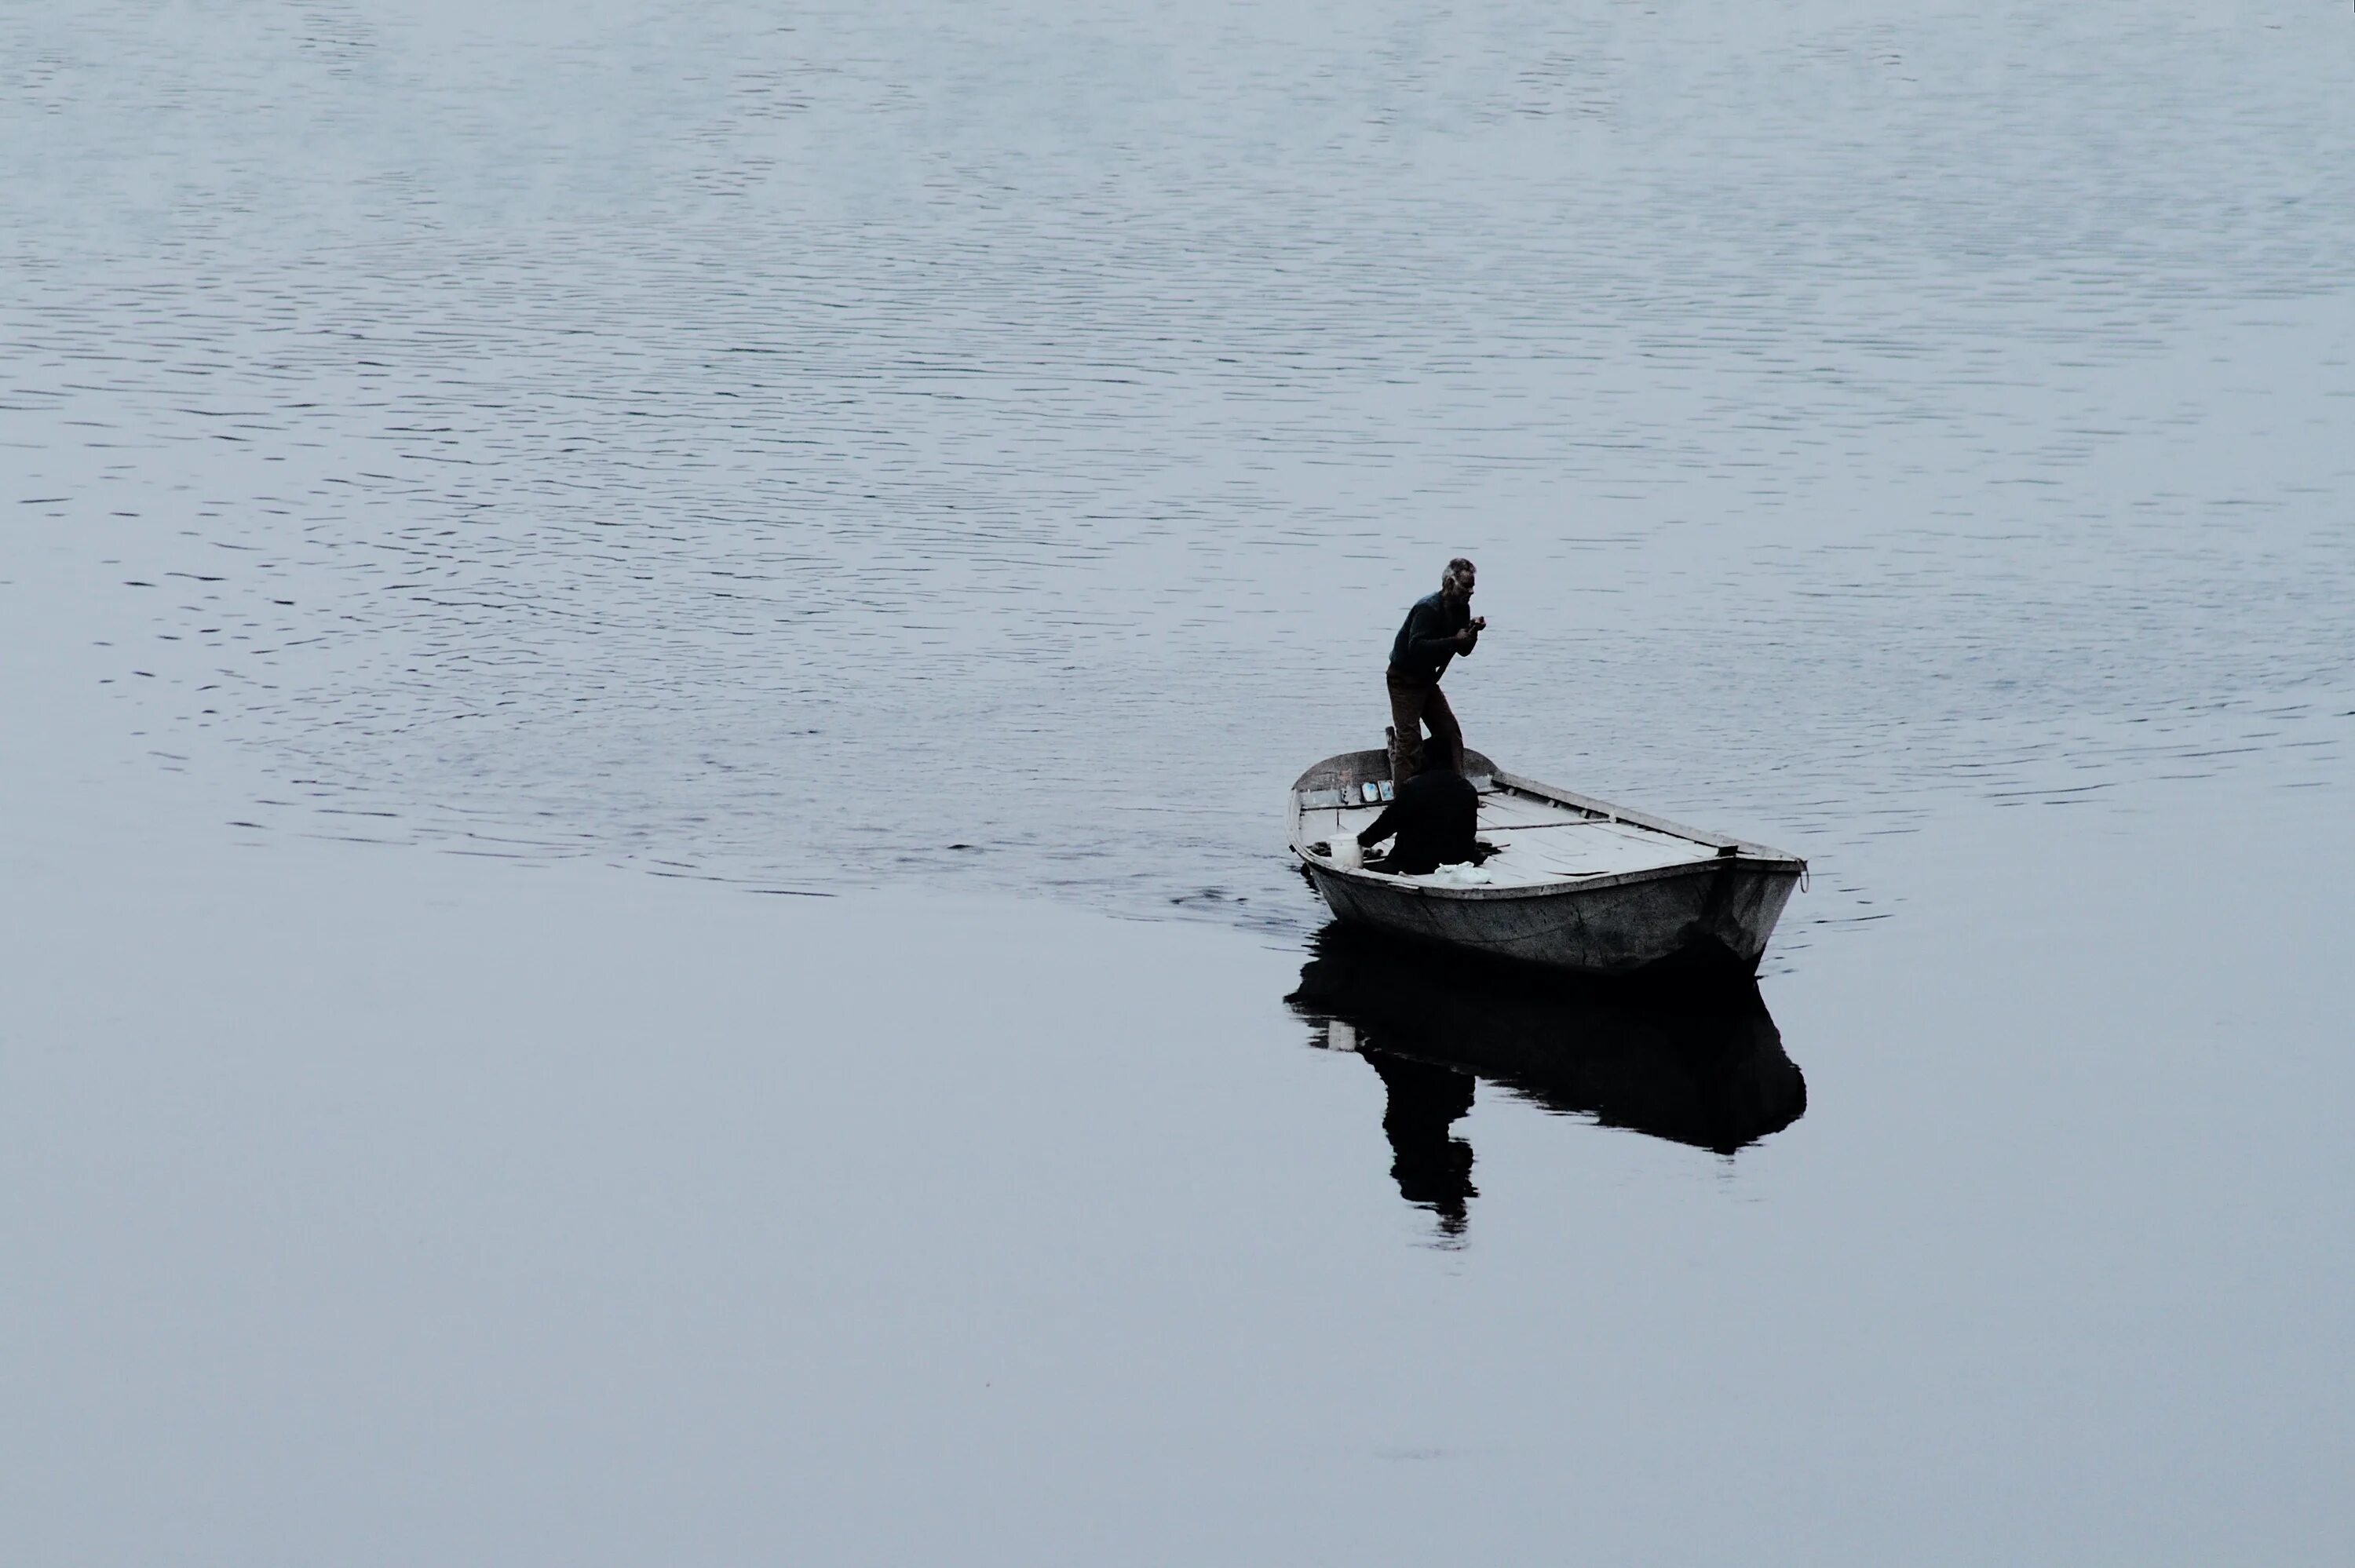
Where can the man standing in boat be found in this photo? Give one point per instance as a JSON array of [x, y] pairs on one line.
[[1439, 626]]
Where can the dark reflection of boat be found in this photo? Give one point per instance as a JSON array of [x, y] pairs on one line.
[[1705, 1069]]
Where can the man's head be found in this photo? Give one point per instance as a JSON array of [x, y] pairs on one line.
[[1456, 581]]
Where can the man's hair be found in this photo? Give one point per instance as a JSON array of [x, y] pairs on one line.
[[1457, 567]]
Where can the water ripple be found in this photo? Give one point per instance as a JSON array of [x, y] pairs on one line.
[[995, 453]]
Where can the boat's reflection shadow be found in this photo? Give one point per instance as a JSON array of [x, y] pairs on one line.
[[1705, 1069]]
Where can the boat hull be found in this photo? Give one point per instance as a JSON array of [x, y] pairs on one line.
[[1714, 917], [1709, 916]]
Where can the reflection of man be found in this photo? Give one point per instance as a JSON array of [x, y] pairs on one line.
[[1434, 815], [1438, 628], [1432, 1166]]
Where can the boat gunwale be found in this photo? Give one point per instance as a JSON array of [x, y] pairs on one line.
[[1534, 891]]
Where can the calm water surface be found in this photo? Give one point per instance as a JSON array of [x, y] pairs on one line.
[[987, 449]]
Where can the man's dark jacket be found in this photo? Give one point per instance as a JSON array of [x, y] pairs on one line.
[[1427, 641], [1434, 816]]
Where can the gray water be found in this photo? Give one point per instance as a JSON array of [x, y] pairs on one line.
[[994, 446], [981, 452]]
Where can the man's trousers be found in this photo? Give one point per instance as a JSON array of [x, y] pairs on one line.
[[1414, 705]]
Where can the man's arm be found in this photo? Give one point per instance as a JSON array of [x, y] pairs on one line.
[[1429, 637], [1382, 826]]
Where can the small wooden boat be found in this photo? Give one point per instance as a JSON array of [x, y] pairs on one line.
[[1573, 884]]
